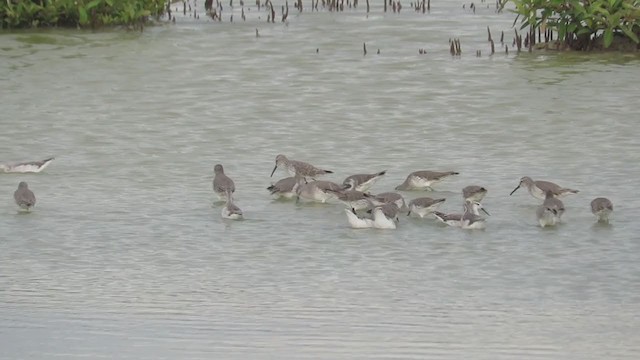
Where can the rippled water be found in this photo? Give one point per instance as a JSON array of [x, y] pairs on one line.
[[126, 256]]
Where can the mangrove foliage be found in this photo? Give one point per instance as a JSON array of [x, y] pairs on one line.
[[580, 24], [78, 13]]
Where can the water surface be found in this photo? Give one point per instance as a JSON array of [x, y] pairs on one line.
[[126, 256]]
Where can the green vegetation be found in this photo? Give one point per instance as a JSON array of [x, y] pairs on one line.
[[77, 13], [582, 24]]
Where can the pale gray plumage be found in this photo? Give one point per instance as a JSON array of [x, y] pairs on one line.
[[424, 179], [284, 187], [222, 184], [551, 210], [26, 166], [456, 219], [388, 197], [356, 200], [318, 190], [602, 208], [540, 188], [449, 219], [298, 168], [24, 197], [474, 193], [471, 218], [362, 182], [390, 210], [424, 206], [231, 210]]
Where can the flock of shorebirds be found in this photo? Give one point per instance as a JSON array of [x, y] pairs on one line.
[[363, 209], [381, 211]]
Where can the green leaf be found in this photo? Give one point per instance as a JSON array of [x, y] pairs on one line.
[[583, 31], [608, 37], [93, 4], [627, 31], [83, 17], [109, 2]]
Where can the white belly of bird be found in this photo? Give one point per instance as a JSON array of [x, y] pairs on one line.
[[226, 214], [421, 183], [422, 211], [548, 219], [380, 221], [316, 194], [365, 186], [537, 193], [454, 223], [603, 215], [476, 225]]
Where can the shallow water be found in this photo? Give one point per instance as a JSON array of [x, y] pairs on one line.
[[126, 255]]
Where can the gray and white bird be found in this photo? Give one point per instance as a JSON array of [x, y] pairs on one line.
[[284, 188], [471, 218], [602, 208], [362, 182], [222, 184], [551, 210], [539, 188], [24, 197], [26, 166], [456, 219], [318, 191], [298, 168], [354, 199], [230, 210], [389, 197], [424, 206], [474, 193], [424, 179]]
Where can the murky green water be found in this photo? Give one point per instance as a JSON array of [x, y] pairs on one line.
[[126, 257]]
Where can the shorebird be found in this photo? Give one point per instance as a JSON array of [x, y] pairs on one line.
[[26, 166], [471, 218], [318, 190], [358, 222], [449, 219], [539, 188], [424, 206], [455, 219], [298, 168], [388, 197], [423, 180], [284, 188], [602, 208], [362, 182], [385, 216], [551, 210], [230, 210], [222, 184], [474, 193], [354, 199], [24, 197]]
